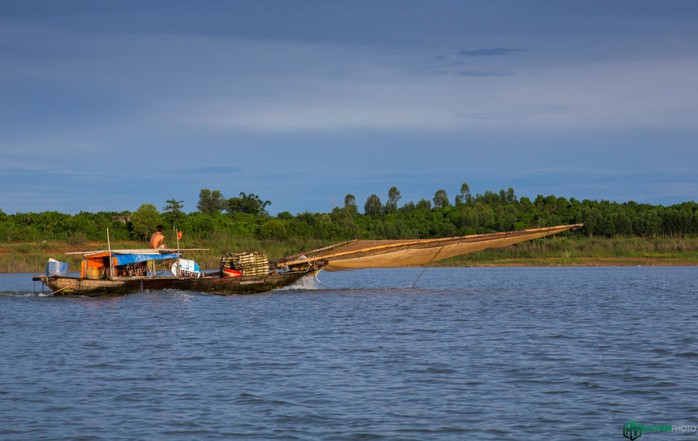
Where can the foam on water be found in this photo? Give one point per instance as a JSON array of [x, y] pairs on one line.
[[304, 283]]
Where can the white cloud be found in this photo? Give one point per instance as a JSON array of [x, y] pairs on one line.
[[611, 95], [228, 83]]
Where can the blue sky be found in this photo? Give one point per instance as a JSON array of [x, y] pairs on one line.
[[107, 105]]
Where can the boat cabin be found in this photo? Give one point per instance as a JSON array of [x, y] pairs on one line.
[[96, 265]]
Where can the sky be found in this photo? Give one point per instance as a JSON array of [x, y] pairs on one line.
[[108, 105]]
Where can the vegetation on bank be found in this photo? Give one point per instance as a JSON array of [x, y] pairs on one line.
[[635, 232]]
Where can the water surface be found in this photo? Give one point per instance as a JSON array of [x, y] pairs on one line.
[[466, 353]]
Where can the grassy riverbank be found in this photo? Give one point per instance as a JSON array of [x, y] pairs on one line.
[[555, 251], [564, 251]]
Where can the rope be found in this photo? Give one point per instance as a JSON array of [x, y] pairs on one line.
[[55, 292], [427, 266]]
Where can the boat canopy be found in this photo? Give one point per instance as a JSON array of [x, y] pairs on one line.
[[120, 258], [125, 259], [95, 263]]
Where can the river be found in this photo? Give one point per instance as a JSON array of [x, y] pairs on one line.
[[398, 354]]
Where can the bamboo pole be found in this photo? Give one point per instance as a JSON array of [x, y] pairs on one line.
[[318, 250], [137, 251], [179, 261]]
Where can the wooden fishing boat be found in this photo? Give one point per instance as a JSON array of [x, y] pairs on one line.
[[214, 284], [118, 272]]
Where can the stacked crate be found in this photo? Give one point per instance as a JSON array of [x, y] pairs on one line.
[[249, 263]]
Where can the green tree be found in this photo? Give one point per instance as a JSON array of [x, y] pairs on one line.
[[173, 211], [350, 205], [144, 220], [249, 204], [464, 197], [393, 198], [423, 204], [484, 215], [93, 226], [4, 224], [210, 201], [273, 229], [441, 199], [510, 196], [373, 206], [591, 218]]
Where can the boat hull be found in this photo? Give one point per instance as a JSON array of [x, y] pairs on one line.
[[76, 286]]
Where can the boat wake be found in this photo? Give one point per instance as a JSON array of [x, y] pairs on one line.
[[19, 294], [304, 283]]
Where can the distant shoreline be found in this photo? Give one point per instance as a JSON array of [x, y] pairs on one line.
[[613, 263]]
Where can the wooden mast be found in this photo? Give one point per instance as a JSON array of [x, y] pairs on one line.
[[111, 263]]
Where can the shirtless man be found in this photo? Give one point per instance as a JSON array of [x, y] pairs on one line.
[[157, 240]]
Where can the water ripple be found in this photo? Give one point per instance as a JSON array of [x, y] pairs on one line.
[[487, 354]]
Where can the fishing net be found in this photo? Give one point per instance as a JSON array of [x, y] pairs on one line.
[[360, 254]]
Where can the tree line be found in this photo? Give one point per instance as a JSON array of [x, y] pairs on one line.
[[246, 215]]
